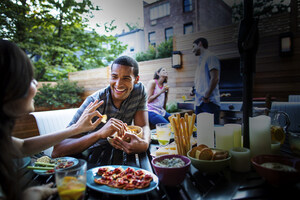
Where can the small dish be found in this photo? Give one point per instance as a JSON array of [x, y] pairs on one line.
[[278, 174], [171, 176], [209, 166]]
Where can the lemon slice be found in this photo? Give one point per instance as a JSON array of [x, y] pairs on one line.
[[195, 128], [104, 118], [277, 134]]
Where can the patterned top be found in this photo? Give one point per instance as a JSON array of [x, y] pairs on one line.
[[157, 104], [137, 100]]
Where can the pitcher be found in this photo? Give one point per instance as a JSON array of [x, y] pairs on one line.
[[280, 122]]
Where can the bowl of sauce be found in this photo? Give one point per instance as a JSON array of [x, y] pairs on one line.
[[171, 169], [278, 170]]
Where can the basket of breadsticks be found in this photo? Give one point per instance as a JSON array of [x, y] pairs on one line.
[[183, 128], [209, 160]]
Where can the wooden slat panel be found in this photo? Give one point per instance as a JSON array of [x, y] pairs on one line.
[[270, 67], [25, 127]]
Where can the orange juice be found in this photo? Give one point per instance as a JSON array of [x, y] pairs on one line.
[[71, 189]]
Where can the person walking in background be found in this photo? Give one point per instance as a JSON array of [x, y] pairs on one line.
[[158, 97], [18, 88], [206, 83]]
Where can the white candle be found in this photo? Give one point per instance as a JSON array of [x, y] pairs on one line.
[[205, 129], [240, 159], [224, 137], [259, 135], [237, 134]]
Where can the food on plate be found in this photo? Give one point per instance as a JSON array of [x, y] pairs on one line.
[[202, 152], [127, 179], [199, 148], [171, 162], [183, 131], [279, 166], [44, 159], [169, 149], [48, 164]]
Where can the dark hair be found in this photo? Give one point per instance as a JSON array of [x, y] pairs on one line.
[[128, 61], [16, 74], [203, 41], [156, 76]]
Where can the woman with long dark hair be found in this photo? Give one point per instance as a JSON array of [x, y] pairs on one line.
[[158, 97], [18, 87]]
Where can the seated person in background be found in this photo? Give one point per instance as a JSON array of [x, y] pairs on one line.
[[124, 101], [18, 88], [158, 97]]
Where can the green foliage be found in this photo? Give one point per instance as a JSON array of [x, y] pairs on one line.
[[54, 35], [262, 8], [62, 94], [132, 26], [164, 50], [171, 107]]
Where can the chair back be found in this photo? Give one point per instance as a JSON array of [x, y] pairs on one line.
[[52, 121]]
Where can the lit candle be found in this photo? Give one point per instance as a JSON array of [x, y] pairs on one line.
[[240, 159], [259, 134], [224, 137], [237, 134], [205, 129]]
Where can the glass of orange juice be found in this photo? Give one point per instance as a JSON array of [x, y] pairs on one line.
[[71, 182]]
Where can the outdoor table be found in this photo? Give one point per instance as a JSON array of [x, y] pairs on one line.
[[223, 185]]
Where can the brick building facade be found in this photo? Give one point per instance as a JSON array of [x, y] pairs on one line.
[[165, 18]]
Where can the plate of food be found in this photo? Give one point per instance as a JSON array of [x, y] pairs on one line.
[[45, 165], [121, 180]]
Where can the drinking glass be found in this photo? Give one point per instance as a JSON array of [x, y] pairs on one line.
[[71, 182], [163, 132]]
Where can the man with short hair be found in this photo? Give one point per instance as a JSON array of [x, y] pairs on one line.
[[124, 101], [206, 83]]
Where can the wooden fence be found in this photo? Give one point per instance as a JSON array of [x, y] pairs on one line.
[[275, 75]]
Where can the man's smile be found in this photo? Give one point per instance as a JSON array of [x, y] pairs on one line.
[[119, 90]]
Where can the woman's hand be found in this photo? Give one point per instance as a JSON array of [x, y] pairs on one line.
[[39, 192], [85, 124], [136, 144]]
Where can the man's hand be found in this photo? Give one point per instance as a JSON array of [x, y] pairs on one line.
[[136, 144], [111, 127], [205, 100]]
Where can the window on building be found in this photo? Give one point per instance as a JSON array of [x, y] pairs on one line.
[[160, 11], [187, 5], [151, 38], [168, 33], [188, 28]]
